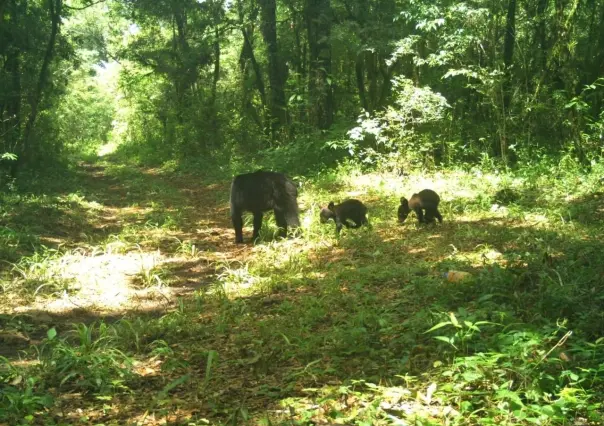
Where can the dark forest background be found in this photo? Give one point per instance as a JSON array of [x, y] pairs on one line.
[[301, 84]]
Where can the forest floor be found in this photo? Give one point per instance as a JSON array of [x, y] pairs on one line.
[[125, 301], [131, 243]]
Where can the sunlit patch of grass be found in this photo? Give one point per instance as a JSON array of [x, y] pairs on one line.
[[234, 279], [152, 275], [32, 220], [187, 248], [368, 403], [87, 278], [115, 244], [40, 274]]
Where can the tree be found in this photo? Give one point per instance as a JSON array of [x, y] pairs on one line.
[[277, 72], [54, 10], [318, 25]]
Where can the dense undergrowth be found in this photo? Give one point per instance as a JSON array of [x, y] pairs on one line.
[[310, 330]]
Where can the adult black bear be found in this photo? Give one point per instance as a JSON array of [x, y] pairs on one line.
[[353, 210], [424, 200], [261, 191]]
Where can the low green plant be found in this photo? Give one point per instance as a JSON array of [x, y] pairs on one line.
[[22, 394], [90, 364]]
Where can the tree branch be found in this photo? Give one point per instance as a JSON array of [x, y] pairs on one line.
[[84, 7]]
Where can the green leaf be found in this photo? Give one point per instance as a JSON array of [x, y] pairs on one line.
[[504, 394], [471, 376], [454, 320], [437, 326], [209, 363], [51, 333], [8, 156], [465, 406], [285, 338], [446, 340], [485, 322], [173, 384], [66, 378]]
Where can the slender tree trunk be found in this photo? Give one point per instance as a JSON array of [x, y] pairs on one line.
[[597, 65], [249, 53], [216, 74], [372, 76], [508, 56], [386, 85], [13, 107], [508, 49], [318, 24], [54, 8], [360, 77], [246, 103], [299, 60], [213, 110], [187, 76], [276, 67], [10, 109], [541, 35]]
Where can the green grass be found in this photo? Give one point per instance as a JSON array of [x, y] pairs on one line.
[[361, 329]]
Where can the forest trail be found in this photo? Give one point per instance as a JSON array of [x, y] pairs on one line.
[[160, 314], [134, 241]]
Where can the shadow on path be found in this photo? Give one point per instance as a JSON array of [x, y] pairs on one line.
[[129, 241]]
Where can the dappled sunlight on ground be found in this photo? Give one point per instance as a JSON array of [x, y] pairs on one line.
[[398, 401], [105, 283], [139, 265], [313, 329]]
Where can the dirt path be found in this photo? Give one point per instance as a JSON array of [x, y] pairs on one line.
[[138, 240]]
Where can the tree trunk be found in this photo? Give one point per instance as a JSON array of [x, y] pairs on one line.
[[541, 35], [360, 77], [276, 67], [249, 53], [187, 75], [318, 25], [386, 72], [508, 50], [508, 56], [298, 60], [216, 74], [10, 108], [54, 8], [372, 76], [12, 121], [597, 65]]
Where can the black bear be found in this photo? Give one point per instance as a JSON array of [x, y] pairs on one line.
[[353, 210], [424, 200]]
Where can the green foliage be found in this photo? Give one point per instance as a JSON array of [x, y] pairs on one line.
[[179, 83], [91, 365], [397, 135], [20, 394]]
